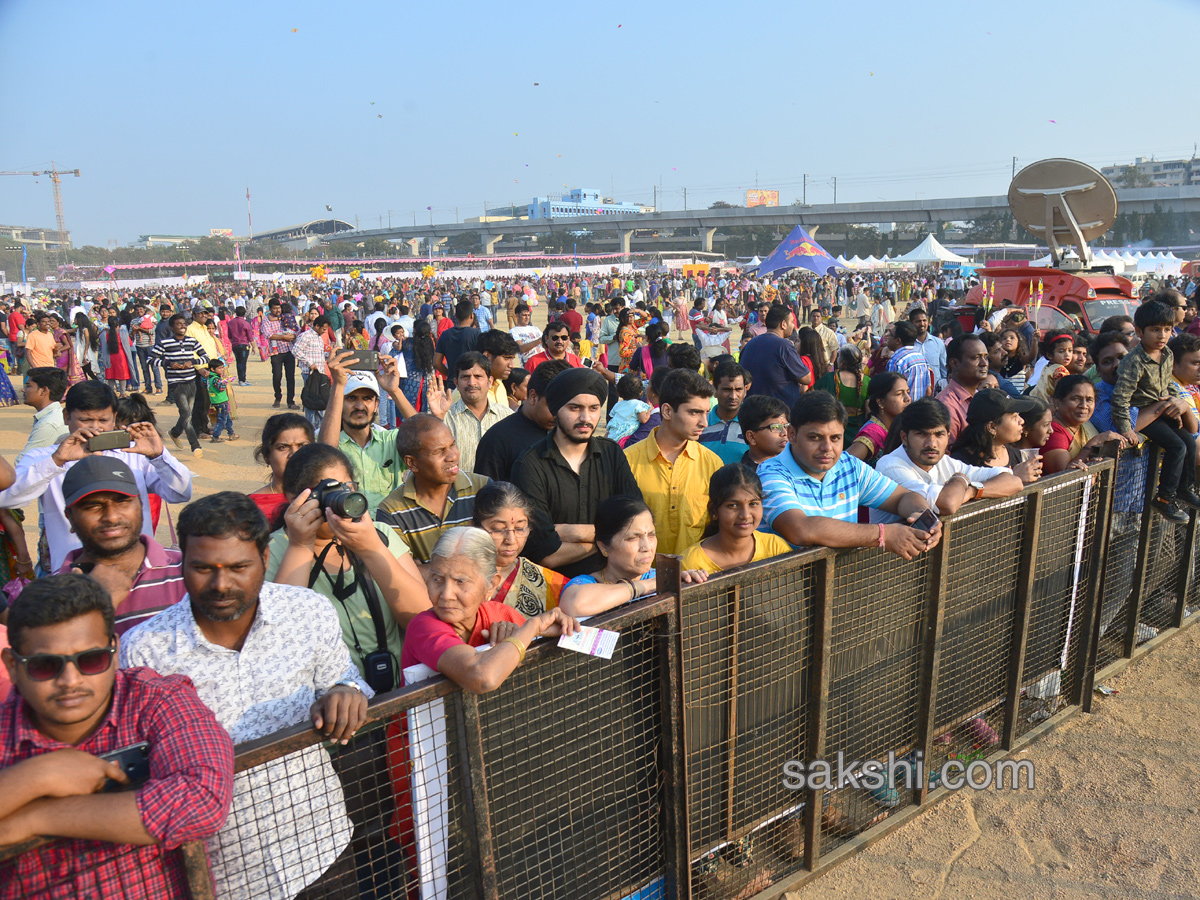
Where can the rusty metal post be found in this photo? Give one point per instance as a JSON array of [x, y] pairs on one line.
[[939, 572], [1021, 615], [818, 703]]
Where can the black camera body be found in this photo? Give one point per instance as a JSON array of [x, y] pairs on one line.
[[342, 498]]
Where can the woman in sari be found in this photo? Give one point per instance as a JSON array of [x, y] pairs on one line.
[[223, 333], [628, 338], [87, 346], [505, 513], [264, 352]]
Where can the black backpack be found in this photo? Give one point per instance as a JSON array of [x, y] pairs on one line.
[[315, 393]]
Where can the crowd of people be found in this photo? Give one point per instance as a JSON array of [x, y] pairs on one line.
[[449, 491]]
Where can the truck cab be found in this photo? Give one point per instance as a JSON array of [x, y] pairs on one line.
[[1074, 301]]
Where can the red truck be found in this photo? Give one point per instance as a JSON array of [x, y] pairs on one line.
[[1071, 301]]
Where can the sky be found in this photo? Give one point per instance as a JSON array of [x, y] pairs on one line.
[[172, 110]]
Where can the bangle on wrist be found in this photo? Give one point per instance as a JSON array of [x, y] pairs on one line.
[[520, 647], [632, 588], [881, 544]]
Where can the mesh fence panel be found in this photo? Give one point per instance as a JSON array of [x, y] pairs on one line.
[[1168, 546], [65, 870], [747, 639], [1062, 585], [878, 617], [1129, 496], [977, 629], [1192, 604], [573, 753]]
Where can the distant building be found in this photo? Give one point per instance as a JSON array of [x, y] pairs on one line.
[[581, 202], [1163, 172], [149, 241], [46, 238]]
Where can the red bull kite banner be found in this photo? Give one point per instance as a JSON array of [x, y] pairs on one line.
[[798, 251]]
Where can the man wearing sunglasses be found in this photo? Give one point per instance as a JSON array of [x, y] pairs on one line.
[[555, 340], [71, 706]]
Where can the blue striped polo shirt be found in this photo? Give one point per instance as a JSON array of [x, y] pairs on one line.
[[849, 484]]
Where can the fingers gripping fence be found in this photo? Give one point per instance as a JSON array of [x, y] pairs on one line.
[[661, 772]]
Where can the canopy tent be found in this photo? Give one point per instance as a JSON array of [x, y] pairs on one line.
[[798, 251], [930, 251]]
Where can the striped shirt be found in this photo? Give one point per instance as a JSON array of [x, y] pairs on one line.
[[157, 585], [468, 429], [911, 363], [851, 483], [420, 527], [174, 350]]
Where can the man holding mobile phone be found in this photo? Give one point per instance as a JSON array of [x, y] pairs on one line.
[[921, 465], [71, 707]]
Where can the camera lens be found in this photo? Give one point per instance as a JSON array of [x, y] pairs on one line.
[[346, 504]]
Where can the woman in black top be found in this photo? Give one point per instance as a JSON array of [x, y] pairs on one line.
[[994, 424]]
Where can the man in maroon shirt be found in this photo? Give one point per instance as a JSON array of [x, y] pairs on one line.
[[241, 338], [572, 317], [103, 505], [71, 706]]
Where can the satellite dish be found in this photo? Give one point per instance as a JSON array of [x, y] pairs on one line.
[[1063, 201]]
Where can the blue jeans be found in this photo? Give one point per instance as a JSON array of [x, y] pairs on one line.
[[223, 420], [143, 355]]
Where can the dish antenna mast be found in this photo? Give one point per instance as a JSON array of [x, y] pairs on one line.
[[1063, 201]]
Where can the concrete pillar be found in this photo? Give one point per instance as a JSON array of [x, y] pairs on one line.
[[706, 236], [414, 244], [812, 232], [623, 238], [435, 242], [488, 242]]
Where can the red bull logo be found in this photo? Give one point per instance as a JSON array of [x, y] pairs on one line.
[[805, 248]]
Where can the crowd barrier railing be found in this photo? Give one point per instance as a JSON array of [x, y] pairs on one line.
[[669, 770]]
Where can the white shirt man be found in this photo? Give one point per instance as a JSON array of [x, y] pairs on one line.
[[921, 465], [288, 823]]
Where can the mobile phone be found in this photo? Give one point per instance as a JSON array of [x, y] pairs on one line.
[[365, 361], [134, 761], [926, 521], [109, 440]]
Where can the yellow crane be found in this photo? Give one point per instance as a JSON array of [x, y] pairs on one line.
[[56, 180]]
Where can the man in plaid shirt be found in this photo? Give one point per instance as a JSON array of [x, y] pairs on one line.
[[72, 705], [280, 330]]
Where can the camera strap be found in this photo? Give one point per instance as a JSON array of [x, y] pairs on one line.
[[341, 592]]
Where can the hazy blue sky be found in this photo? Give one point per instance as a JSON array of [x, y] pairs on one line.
[[172, 109]]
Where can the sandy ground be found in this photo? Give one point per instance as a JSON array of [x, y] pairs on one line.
[[1113, 813]]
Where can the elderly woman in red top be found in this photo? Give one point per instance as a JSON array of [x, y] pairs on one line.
[[460, 577]]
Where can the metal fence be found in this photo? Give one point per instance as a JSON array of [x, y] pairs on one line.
[[664, 772]]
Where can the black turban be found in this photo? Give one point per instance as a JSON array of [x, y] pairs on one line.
[[573, 382]]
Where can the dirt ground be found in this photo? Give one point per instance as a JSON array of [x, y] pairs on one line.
[[1113, 813]]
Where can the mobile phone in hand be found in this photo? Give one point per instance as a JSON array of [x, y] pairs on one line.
[[926, 521], [109, 440], [134, 761]]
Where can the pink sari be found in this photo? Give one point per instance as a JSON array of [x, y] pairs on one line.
[[264, 352]]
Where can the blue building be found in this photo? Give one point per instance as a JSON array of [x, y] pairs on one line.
[[579, 202]]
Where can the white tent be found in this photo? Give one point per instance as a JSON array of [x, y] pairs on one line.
[[855, 262], [871, 262], [1128, 258], [930, 251]]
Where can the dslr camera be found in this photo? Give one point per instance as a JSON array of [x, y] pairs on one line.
[[342, 498]]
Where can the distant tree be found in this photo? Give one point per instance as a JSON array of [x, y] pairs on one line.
[[1130, 177], [721, 204]]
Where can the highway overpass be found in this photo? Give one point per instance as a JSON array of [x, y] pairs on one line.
[[707, 221]]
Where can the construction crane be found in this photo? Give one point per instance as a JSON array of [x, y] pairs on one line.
[[56, 179]]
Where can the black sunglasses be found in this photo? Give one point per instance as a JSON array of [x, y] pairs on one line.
[[48, 666]]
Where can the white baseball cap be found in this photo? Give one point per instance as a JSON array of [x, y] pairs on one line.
[[360, 380]]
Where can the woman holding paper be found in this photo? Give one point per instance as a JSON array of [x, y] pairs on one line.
[[626, 538], [460, 577]]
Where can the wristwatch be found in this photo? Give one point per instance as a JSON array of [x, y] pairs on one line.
[[349, 684]]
